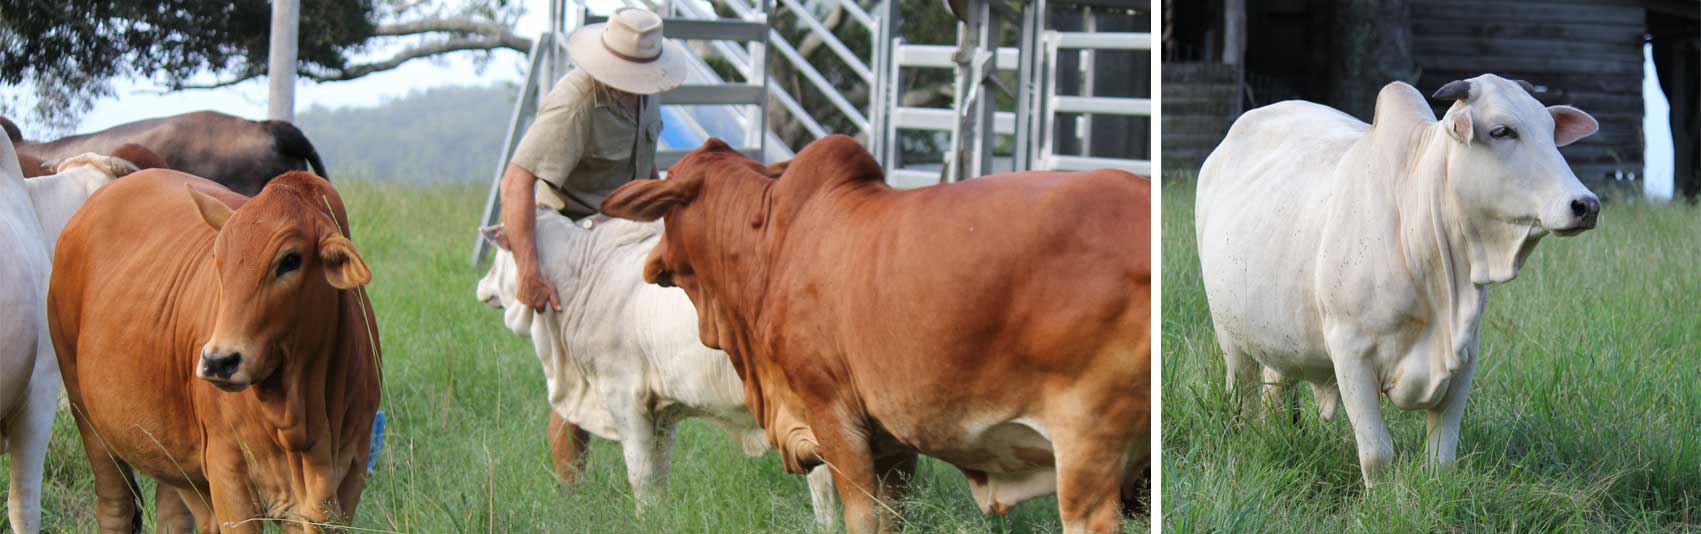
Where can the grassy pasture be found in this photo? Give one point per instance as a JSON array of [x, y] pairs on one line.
[[1583, 415], [466, 449]]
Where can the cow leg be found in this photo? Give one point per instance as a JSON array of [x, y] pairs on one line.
[[233, 502], [661, 450], [200, 506], [348, 491], [1242, 377], [638, 435], [569, 445], [1362, 395], [1441, 446], [171, 512], [26, 440], [1091, 467], [1328, 399], [822, 497], [117, 498], [1278, 395], [845, 448]]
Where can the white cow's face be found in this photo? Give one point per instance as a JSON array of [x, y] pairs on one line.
[[499, 288], [1507, 166]]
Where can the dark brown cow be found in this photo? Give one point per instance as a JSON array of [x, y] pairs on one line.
[[1001, 324], [239, 153], [222, 345]]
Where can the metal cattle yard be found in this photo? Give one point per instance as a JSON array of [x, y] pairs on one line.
[[1042, 122]]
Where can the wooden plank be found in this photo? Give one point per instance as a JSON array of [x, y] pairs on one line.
[[1628, 35], [1517, 65], [1527, 12], [1430, 45]]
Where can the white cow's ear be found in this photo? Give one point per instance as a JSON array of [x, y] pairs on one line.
[[1571, 124], [1458, 123], [496, 236], [213, 211]]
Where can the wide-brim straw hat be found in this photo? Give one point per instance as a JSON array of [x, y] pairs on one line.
[[629, 53]]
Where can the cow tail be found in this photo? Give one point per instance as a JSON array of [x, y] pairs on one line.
[[12, 131], [291, 142]]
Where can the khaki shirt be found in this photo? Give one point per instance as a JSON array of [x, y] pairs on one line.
[[584, 144]]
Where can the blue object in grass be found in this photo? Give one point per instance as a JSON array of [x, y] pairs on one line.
[[377, 441]]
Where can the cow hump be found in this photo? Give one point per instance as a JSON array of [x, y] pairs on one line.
[[836, 158]]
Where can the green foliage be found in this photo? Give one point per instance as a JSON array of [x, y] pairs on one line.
[[466, 449], [70, 48], [444, 134], [1582, 417]]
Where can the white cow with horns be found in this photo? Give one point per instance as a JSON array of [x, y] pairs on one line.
[[1356, 257], [32, 212], [622, 359]]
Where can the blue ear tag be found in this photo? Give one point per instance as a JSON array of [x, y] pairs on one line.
[[377, 441]]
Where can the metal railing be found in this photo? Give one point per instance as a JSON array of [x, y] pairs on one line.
[[751, 46], [1053, 104]]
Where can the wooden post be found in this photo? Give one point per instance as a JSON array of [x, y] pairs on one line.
[[1234, 32], [280, 67]]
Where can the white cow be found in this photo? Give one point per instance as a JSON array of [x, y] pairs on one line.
[[623, 360], [1356, 257], [31, 214]]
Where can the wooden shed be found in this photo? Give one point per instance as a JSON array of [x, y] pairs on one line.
[[1224, 56]]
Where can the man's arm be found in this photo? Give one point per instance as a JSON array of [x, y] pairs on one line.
[[519, 221]]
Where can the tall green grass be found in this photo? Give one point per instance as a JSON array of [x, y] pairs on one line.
[[466, 449], [1584, 414]]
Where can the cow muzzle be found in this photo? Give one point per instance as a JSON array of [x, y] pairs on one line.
[[223, 370], [1577, 215]]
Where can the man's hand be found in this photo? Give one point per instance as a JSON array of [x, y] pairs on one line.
[[537, 291], [519, 219]]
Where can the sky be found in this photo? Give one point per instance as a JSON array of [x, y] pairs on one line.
[[139, 99]]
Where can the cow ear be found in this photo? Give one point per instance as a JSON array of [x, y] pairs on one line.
[[343, 267], [214, 212], [1571, 124], [495, 235], [648, 200], [1458, 123]]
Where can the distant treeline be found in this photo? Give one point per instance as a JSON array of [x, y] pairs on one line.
[[444, 134]]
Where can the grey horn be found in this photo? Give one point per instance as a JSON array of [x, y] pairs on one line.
[[1454, 90], [1527, 86]]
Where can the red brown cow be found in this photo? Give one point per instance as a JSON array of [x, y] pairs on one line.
[[220, 344], [1001, 324]]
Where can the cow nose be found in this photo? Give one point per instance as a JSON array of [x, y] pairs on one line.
[[220, 366], [1586, 209]]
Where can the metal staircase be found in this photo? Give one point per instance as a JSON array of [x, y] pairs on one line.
[[739, 35]]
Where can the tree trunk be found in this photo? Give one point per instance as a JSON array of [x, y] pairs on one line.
[[280, 66], [1374, 47]]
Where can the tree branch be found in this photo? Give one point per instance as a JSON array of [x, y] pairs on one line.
[[457, 44], [473, 35], [488, 30], [243, 77]]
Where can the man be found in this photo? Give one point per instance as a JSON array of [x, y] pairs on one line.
[[595, 131]]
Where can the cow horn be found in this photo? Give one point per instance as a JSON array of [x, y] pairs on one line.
[[1454, 90], [1527, 86]]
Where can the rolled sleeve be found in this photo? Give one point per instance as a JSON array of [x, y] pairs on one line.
[[555, 142]]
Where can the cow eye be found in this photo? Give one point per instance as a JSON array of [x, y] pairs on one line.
[[289, 262], [1503, 132]]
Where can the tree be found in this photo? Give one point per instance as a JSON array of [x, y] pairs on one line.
[[70, 50], [1374, 46]]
